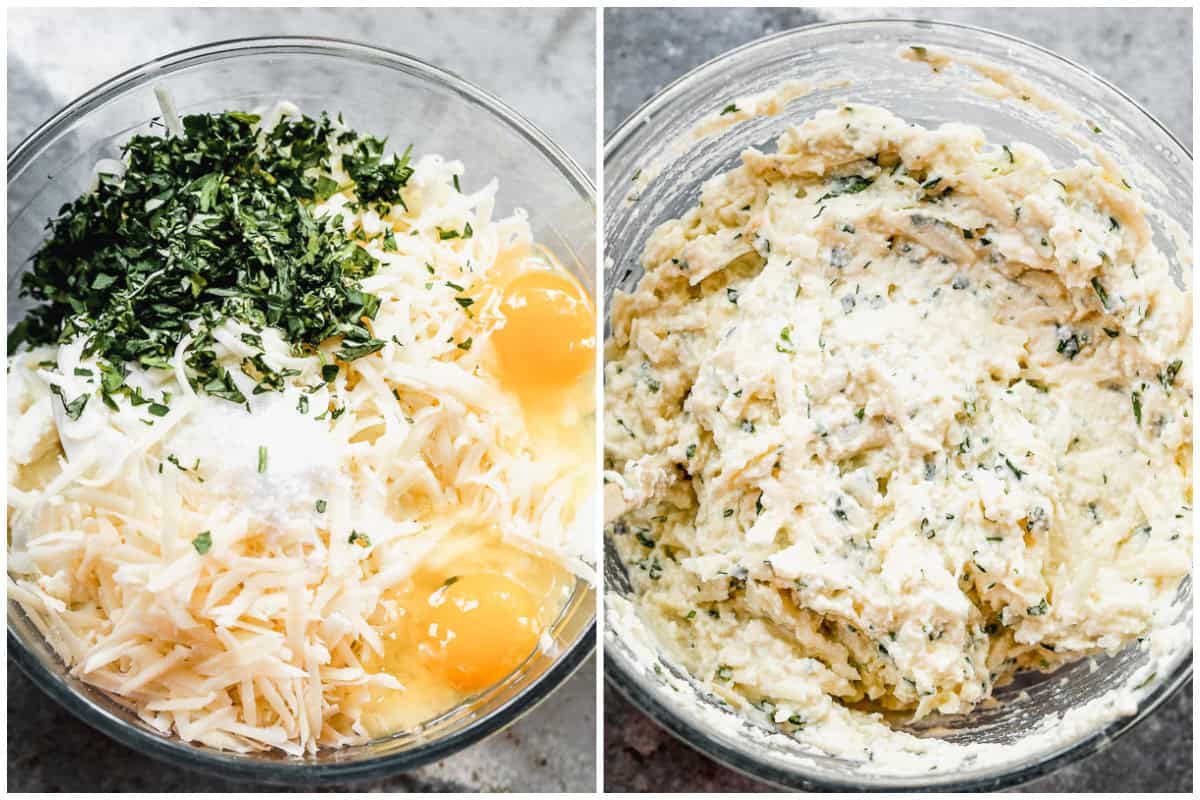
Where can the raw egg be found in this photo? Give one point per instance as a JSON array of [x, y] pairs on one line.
[[477, 629], [548, 338]]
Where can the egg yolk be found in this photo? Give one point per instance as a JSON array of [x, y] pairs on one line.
[[548, 339], [477, 629]]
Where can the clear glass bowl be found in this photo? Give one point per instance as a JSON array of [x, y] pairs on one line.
[[863, 54], [384, 94]]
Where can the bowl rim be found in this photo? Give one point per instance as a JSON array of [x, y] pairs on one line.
[[291, 771], [623, 675]]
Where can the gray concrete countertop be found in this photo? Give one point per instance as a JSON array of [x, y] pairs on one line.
[[1144, 52], [542, 63]]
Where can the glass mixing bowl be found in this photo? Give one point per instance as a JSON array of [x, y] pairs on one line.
[[384, 94], [653, 169]]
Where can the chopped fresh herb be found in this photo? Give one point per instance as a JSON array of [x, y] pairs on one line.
[[302, 404], [465, 344], [212, 225], [262, 458], [1099, 289], [1009, 153], [786, 335], [158, 409], [728, 513], [850, 184], [730, 109], [724, 673], [1137, 406], [1015, 471], [645, 540], [1039, 610], [203, 542], [352, 350], [321, 506], [75, 407], [731, 295], [691, 450], [361, 539], [377, 180], [860, 413], [329, 372], [1068, 346], [1112, 334], [1168, 375]]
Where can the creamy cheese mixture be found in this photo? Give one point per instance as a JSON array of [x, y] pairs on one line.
[[893, 414]]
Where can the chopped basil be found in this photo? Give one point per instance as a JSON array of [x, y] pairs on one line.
[[195, 233]]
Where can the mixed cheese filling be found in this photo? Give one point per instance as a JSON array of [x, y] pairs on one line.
[[299, 446], [893, 414]]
